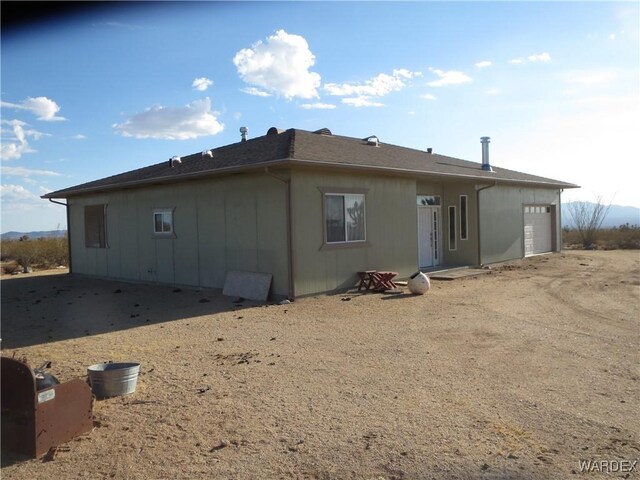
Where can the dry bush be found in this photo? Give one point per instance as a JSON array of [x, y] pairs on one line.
[[10, 267], [625, 237], [588, 218], [38, 253]]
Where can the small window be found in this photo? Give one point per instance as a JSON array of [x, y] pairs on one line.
[[344, 218], [452, 227], [95, 230], [163, 222], [428, 200], [526, 209], [464, 221], [548, 209]]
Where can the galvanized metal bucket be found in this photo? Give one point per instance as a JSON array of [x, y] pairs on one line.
[[113, 379]]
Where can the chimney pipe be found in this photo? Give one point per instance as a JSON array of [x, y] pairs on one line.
[[244, 131], [486, 166]]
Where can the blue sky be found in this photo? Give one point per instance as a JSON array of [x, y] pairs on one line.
[[555, 86]]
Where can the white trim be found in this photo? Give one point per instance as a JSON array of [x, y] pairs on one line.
[[163, 211], [346, 235]]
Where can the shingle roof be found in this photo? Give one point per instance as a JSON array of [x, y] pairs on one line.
[[300, 147]]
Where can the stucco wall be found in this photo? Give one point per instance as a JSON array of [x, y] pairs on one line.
[[391, 230], [502, 220], [231, 223]]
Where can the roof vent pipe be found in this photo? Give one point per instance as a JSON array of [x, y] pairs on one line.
[[244, 131], [175, 161], [486, 166], [429, 150]]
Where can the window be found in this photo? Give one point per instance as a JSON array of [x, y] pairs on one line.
[[424, 200], [452, 227], [163, 222], [344, 217], [464, 221], [95, 234]]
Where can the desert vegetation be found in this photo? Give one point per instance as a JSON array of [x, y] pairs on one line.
[[623, 237], [39, 253]]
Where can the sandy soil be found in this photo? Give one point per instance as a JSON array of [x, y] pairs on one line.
[[517, 374]]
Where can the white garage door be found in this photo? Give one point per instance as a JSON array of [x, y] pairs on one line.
[[537, 229]]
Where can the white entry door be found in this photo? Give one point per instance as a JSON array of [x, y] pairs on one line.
[[428, 236]]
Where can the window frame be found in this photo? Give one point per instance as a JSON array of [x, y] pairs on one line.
[[464, 218], [453, 244], [340, 191], [163, 211], [102, 225]]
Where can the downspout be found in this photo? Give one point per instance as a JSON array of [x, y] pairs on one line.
[[66, 205], [478, 190], [287, 182]]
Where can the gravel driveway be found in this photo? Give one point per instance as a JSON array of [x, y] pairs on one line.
[[518, 374]]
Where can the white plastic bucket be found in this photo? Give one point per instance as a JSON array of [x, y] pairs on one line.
[[113, 379]]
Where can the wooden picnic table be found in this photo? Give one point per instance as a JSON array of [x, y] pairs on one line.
[[383, 281], [366, 279]]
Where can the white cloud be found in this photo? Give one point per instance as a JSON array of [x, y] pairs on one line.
[[173, 123], [42, 107], [21, 208], [364, 94], [451, 77], [591, 77], [428, 96], [255, 92], [493, 91], [15, 140], [362, 101], [484, 64], [281, 66], [612, 36], [27, 172], [201, 84], [10, 192], [79, 137], [378, 86], [540, 57], [318, 106]]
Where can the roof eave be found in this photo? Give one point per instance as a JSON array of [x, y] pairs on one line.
[[164, 180], [408, 171]]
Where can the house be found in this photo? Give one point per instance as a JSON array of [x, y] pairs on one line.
[[311, 208]]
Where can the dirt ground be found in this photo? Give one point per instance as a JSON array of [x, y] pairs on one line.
[[517, 374]]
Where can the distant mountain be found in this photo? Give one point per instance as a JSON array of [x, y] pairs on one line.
[[617, 215], [33, 235]]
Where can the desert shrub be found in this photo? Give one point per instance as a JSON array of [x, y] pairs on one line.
[[588, 218], [623, 237], [37, 253], [10, 267]]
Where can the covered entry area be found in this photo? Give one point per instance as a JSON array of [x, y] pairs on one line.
[[538, 229]]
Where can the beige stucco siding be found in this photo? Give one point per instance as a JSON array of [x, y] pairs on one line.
[[502, 220], [391, 230], [232, 223]]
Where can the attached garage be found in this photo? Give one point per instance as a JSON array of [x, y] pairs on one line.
[[538, 229]]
